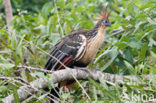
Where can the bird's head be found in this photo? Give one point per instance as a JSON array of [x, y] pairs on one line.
[[103, 20]]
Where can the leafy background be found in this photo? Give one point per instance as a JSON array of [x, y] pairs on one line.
[[38, 25]]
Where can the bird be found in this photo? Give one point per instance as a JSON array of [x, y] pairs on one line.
[[78, 48]]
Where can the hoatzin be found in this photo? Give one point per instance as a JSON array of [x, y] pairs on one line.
[[78, 48]]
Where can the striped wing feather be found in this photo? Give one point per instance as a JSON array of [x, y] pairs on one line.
[[70, 49]]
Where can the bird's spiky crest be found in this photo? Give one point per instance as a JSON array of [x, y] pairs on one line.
[[104, 15]]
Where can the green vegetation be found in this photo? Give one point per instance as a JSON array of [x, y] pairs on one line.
[[38, 25]]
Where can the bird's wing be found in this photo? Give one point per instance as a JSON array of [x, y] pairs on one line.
[[69, 49]]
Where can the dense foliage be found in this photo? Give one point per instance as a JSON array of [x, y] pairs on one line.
[[38, 25]]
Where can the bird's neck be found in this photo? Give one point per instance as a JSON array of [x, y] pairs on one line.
[[96, 26], [94, 31]]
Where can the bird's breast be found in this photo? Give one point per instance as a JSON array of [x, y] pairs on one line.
[[92, 47]]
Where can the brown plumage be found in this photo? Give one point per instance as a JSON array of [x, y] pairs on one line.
[[79, 47]]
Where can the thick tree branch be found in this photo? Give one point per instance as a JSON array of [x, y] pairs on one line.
[[67, 74], [8, 12]]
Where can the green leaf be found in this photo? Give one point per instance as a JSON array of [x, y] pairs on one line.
[[3, 89], [121, 45], [128, 56], [46, 9], [153, 56], [112, 54], [142, 53], [15, 94], [20, 48], [134, 43], [5, 63]]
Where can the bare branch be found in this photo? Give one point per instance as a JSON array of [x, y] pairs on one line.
[[115, 32], [58, 76]]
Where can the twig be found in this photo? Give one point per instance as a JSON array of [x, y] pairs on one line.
[[115, 32], [15, 80], [58, 19], [36, 69]]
